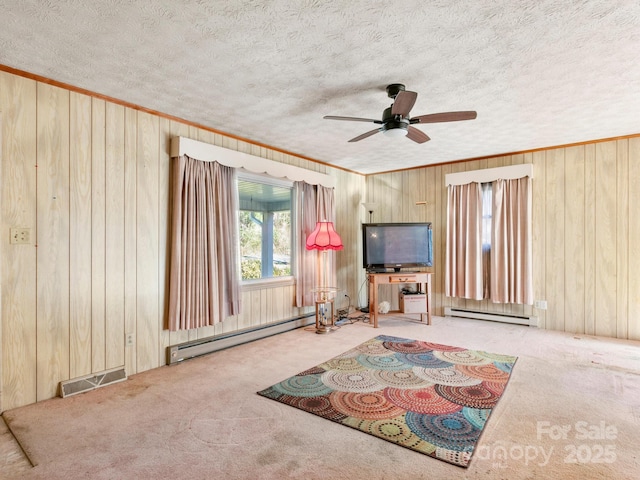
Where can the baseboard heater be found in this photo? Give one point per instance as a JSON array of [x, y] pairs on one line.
[[91, 382], [203, 346], [492, 316]]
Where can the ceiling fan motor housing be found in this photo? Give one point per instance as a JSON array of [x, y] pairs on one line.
[[390, 121]]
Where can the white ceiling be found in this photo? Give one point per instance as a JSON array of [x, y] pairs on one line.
[[538, 72]]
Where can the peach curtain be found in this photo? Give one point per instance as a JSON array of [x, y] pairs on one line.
[[204, 286], [463, 269], [326, 210], [314, 203], [306, 260], [511, 256]]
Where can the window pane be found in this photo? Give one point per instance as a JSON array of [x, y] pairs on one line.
[[265, 229], [487, 201]]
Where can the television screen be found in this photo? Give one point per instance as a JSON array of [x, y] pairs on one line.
[[396, 245]]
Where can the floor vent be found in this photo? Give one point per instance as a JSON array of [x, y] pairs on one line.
[[91, 382], [195, 348], [492, 316]]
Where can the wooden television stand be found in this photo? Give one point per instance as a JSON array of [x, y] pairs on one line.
[[423, 279]]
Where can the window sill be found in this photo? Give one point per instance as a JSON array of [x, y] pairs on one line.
[[261, 284]]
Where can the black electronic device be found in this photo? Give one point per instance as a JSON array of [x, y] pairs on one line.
[[396, 246]]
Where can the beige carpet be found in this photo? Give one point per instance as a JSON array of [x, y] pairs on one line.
[[571, 411]]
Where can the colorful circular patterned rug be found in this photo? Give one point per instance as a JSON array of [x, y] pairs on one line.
[[432, 398]]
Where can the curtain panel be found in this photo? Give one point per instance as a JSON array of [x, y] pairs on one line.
[[314, 203], [326, 211], [511, 255], [464, 268], [204, 286], [306, 260]]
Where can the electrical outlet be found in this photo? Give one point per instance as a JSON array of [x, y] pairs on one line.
[[20, 236], [129, 339], [540, 304]]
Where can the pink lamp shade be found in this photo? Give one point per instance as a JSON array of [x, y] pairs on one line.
[[324, 237]]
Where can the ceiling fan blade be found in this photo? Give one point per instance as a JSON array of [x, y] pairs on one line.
[[444, 117], [403, 103], [416, 135], [351, 119], [365, 135]]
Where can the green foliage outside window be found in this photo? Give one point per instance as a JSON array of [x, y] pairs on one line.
[[251, 244]]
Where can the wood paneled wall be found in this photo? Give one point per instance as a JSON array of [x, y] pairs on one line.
[[90, 178], [584, 232]]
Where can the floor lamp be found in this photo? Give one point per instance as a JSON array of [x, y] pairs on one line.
[[369, 207], [324, 238]]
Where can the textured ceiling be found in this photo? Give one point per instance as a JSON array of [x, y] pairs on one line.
[[538, 72]]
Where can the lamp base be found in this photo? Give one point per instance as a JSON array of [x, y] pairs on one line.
[[325, 314], [323, 329]]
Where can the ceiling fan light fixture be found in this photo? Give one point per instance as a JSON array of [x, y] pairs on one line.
[[395, 132]]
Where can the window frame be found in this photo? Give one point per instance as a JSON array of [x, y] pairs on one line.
[[265, 179]]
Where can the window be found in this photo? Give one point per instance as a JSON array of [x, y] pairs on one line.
[[265, 224], [487, 202], [487, 220]]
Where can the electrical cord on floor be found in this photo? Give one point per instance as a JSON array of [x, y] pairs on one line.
[[345, 315]]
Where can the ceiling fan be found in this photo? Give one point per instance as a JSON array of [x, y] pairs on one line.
[[396, 121]]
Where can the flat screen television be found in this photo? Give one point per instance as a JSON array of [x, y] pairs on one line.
[[396, 246]]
